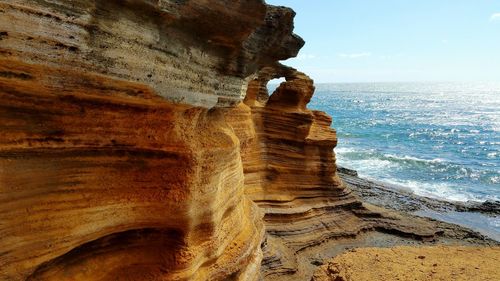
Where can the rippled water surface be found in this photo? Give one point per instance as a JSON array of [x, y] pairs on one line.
[[439, 139]]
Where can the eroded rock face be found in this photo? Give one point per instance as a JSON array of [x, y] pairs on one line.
[[97, 180], [127, 154], [193, 52], [116, 162], [290, 172]]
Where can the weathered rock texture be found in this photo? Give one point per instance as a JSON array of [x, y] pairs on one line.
[[413, 263], [125, 153], [192, 52], [116, 162], [290, 172]]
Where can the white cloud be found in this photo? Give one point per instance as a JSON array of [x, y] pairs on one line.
[[355, 55], [445, 41], [495, 17]]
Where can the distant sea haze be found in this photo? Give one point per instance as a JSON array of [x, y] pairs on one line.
[[441, 140]]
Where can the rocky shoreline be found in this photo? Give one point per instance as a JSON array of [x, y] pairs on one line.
[[401, 199], [140, 142]]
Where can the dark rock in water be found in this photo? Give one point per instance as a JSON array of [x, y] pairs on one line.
[[347, 171], [492, 207]]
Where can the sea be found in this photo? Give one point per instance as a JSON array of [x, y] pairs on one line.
[[440, 140]]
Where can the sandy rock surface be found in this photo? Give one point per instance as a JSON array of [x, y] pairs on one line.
[[414, 263]]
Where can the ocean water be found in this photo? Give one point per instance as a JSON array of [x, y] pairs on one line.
[[441, 140]]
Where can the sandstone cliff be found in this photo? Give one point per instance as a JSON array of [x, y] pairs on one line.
[[115, 158], [126, 152], [290, 172]]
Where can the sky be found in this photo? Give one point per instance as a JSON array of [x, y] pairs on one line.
[[397, 40]]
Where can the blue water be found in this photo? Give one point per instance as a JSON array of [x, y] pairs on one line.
[[441, 140]]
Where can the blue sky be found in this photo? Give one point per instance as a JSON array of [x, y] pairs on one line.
[[397, 40]]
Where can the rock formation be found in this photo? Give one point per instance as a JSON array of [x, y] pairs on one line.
[[127, 154], [290, 172], [115, 158]]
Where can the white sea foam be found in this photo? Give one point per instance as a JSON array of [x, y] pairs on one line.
[[437, 190], [378, 169], [492, 155], [416, 159], [373, 164], [343, 150], [421, 134], [495, 179]]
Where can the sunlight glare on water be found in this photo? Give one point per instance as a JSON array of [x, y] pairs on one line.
[[439, 139]]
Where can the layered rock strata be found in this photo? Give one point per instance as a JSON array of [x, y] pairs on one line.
[[290, 172], [116, 162], [127, 154], [180, 49]]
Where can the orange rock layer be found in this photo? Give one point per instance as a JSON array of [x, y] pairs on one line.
[[116, 162], [290, 172], [413, 263], [127, 154], [93, 179]]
